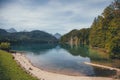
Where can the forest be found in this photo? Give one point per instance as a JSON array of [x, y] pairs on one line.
[[35, 36], [104, 32]]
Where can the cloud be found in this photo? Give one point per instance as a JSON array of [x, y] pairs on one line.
[[50, 15]]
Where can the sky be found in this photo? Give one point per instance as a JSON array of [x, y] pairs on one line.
[[52, 16]]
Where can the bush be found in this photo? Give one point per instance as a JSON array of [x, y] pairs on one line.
[[5, 46]]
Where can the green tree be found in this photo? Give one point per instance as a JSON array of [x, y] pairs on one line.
[[105, 30], [5, 46]]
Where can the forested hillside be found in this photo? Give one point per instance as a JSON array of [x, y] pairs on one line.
[[35, 36], [76, 37], [104, 32]]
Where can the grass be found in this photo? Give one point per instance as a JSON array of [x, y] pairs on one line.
[[10, 70]]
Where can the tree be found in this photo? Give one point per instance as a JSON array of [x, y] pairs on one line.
[[105, 30], [5, 46]]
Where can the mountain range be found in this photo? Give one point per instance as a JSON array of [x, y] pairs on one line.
[[35, 36]]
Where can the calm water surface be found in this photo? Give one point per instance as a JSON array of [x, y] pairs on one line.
[[66, 59]]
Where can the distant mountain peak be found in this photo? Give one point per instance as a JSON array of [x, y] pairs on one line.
[[24, 31], [11, 30], [57, 35]]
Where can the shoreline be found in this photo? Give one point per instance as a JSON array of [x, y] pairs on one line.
[[102, 66], [45, 75]]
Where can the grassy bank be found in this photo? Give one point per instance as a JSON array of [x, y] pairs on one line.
[[10, 70]]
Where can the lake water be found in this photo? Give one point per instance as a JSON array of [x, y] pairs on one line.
[[67, 59]]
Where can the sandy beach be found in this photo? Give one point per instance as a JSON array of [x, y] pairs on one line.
[[44, 75]]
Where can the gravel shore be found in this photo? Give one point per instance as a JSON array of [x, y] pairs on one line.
[[44, 75]]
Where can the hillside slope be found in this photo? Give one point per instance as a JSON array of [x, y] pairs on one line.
[[33, 36]]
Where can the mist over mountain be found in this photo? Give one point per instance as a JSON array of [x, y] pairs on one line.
[[11, 30]]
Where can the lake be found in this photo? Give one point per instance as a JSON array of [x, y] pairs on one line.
[[69, 60]]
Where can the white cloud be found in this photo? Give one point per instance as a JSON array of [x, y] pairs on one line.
[[51, 15]]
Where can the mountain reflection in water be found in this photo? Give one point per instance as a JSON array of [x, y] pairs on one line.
[[68, 60]]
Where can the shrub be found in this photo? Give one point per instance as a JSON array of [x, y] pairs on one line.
[[5, 46]]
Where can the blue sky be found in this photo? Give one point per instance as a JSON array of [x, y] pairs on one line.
[[53, 16]]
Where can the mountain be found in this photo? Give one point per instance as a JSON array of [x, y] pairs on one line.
[[57, 35], [24, 31], [35, 36], [2, 31], [11, 30]]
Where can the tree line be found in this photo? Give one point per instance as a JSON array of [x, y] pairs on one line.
[[103, 33], [35, 36]]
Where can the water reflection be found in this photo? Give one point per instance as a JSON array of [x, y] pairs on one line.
[[80, 50], [66, 59], [34, 47]]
